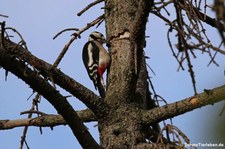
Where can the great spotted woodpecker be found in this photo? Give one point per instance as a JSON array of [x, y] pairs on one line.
[[96, 60]]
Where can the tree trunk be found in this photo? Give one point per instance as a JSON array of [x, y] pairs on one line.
[[127, 77]]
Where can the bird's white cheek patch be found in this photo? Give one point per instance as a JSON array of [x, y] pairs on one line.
[[90, 62]]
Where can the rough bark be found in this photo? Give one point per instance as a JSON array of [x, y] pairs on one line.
[[205, 98], [46, 120], [125, 28]]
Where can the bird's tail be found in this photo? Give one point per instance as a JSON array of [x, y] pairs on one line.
[[99, 85], [101, 90]]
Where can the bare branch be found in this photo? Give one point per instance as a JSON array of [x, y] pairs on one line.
[[171, 129], [45, 120], [94, 22], [205, 18], [182, 44], [22, 42], [60, 103], [194, 29], [33, 112], [171, 47], [183, 106], [2, 33], [5, 16], [65, 30], [75, 35], [219, 9], [23, 137], [191, 71], [89, 6], [91, 100]]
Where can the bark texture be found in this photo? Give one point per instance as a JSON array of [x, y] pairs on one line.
[[127, 80]]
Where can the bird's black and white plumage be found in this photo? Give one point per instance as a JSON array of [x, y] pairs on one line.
[[96, 60]]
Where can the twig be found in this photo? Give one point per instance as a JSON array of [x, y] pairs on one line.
[[163, 5], [183, 106], [213, 57], [23, 137], [5, 16], [65, 30], [33, 112], [2, 33], [66, 47], [30, 96], [6, 74], [171, 47], [2, 45], [191, 71], [191, 36], [156, 99], [75, 35], [89, 6], [219, 9], [205, 18], [21, 37], [151, 69]]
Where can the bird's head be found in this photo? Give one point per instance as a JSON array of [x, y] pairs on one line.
[[97, 37]]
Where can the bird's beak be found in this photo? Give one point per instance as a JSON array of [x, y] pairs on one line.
[[103, 41]]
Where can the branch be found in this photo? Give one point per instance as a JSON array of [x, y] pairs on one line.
[[45, 120], [219, 9], [183, 106], [60, 103], [157, 146], [172, 24], [91, 100], [75, 36], [89, 6], [5, 16], [25, 129], [205, 18], [65, 30]]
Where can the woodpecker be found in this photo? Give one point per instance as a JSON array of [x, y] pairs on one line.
[[96, 60]]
